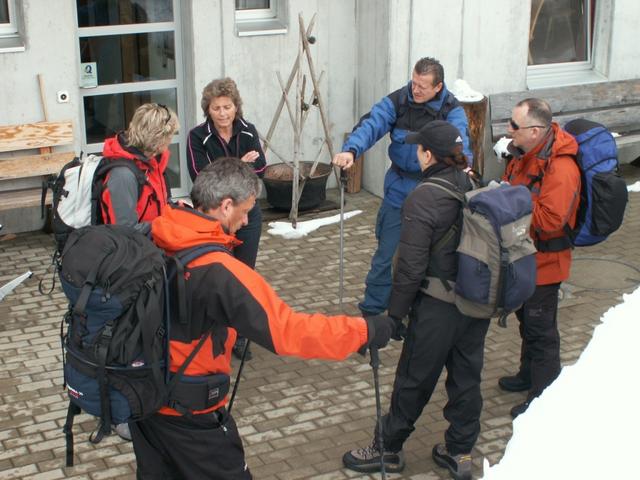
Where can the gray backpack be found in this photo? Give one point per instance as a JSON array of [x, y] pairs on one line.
[[496, 256]]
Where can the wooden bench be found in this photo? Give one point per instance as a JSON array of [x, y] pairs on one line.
[[616, 105], [21, 176]]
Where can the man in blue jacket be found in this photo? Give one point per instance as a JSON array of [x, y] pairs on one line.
[[424, 99]]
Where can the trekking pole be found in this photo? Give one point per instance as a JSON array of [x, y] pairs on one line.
[[343, 182], [375, 363], [235, 384]]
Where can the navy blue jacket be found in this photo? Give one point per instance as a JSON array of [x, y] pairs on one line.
[[397, 114], [205, 145]]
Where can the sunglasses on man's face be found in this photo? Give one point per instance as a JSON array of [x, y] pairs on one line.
[[515, 126]]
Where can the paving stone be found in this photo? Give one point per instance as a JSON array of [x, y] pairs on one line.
[[297, 418]]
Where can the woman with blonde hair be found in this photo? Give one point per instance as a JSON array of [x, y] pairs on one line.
[[225, 133], [134, 191]]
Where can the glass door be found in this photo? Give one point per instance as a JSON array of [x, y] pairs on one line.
[[131, 54]]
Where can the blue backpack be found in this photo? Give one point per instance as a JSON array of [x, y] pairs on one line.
[[603, 196], [603, 193]]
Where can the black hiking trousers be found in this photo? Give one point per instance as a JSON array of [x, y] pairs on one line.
[[178, 448], [540, 353], [438, 336]]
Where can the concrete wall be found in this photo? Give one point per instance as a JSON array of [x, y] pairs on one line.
[[253, 62], [366, 47], [52, 50], [486, 43]]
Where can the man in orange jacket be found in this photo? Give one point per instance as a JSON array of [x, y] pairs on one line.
[[196, 437], [543, 160]]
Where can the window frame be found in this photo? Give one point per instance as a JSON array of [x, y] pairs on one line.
[[262, 21], [11, 33], [11, 27], [573, 73], [180, 137]]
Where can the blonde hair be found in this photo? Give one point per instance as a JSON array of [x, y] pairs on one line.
[[221, 87], [151, 126]]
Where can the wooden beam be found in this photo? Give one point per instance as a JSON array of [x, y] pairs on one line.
[[22, 199], [35, 135], [571, 99], [34, 165]]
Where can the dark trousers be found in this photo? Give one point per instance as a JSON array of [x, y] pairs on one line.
[[438, 336], [250, 236], [540, 352], [178, 448]]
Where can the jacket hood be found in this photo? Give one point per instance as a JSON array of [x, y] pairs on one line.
[[113, 147], [116, 147], [565, 143], [436, 102], [181, 227]]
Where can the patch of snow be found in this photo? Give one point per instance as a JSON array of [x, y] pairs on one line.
[[585, 424], [634, 188], [286, 230], [464, 93]]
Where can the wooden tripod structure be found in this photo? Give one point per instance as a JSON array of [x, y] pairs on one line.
[[298, 113]]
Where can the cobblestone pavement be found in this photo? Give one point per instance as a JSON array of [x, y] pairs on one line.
[[296, 417]]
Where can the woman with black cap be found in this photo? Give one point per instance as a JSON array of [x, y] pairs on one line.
[[438, 335]]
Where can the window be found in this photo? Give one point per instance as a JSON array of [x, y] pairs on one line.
[[561, 42], [10, 27], [260, 17], [7, 18], [133, 49]]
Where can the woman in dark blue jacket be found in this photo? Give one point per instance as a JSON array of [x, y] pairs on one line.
[[226, 134]]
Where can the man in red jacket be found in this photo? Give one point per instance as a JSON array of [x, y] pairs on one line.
[[225, 296], [543, 160]]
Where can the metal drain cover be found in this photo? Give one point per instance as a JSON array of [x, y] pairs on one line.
[[603, 274]]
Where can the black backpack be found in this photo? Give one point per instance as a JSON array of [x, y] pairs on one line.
[[115, 348]]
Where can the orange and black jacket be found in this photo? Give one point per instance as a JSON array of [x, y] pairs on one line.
[[551, 173], [128, 202], [224, 293]]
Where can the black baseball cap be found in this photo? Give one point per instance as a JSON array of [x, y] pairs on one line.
[[438, 136]]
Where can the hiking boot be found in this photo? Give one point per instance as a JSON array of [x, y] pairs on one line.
[[519, 409], [514, 383], [458, 465], [122, 429], [367, 460], [238, 348]]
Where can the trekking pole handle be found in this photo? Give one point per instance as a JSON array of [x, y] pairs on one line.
[[343, 177]]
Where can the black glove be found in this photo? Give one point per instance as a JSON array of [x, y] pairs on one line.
[[400, 329], [380, 328]]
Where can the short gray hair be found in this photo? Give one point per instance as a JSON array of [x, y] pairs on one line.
[[538, 110], [226, 177]]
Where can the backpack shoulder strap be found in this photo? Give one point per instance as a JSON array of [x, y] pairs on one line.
[[445, 185], [178, 262], [452, 190], [112, 163]]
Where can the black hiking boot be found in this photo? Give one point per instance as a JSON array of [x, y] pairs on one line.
[[458, 465], [238, 348], [367, 460], [514, 383]]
